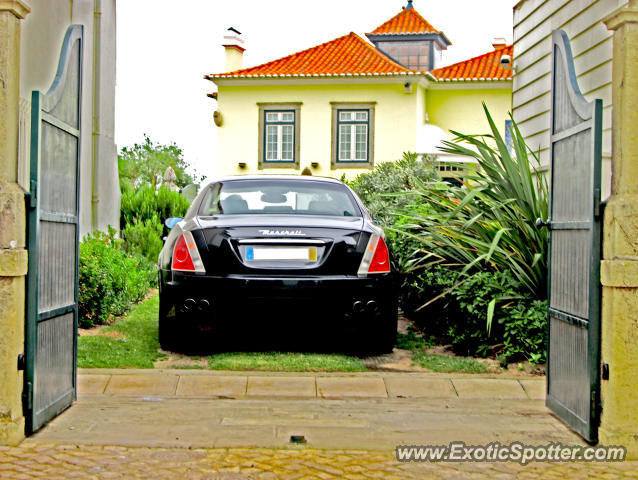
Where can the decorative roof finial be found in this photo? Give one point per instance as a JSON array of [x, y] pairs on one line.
[[409, 5]]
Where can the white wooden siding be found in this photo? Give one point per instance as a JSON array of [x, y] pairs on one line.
[[592, 46]]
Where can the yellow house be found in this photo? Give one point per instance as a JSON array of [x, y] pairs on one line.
[[350, 103]]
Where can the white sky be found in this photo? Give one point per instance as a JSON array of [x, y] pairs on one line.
[[164, 48]]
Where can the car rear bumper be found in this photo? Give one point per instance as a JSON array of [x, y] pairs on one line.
[[259, 299]]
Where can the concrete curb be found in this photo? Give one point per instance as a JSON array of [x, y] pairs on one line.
[[216, 384]]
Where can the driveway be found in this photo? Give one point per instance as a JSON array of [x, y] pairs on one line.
[[194, 424]]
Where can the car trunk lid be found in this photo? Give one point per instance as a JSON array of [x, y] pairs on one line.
[[282, 245]]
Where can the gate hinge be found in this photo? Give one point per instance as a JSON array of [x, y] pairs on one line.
[[22, 363], [596, 202], [27, 396], [605, 371], [32, 195]]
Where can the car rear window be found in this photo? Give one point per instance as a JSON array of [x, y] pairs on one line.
[[238, 197]]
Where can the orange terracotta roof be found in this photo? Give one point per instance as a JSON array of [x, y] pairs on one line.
[[343, 56], [407, 21], [484, 67]]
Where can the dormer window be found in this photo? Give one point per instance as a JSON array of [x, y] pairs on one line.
[[411, 54], [410, 40]]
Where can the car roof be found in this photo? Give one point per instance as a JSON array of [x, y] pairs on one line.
[[294, 178]]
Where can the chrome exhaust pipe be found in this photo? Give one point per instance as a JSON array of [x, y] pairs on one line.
[[189, 304], [358, 306], [372, 306]]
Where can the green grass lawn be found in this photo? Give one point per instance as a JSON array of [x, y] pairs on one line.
[[434, 362], [133, 343], [446, 364], [285, 362]]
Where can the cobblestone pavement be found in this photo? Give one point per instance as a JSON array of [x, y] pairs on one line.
[[65, 462]]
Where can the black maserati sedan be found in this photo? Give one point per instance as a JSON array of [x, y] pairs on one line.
[[269, 253]]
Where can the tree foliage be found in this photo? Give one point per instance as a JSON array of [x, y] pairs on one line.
[[145, 164]]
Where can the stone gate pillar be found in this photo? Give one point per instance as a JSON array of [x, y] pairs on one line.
[[619, 267], [13, 256]]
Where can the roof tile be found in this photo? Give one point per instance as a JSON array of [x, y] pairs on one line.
[[407, 21], [487, 66], [347, 55]]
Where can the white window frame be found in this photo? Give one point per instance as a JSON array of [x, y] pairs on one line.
[[264, 162], [353, 125], [279, 125], [365, 112]]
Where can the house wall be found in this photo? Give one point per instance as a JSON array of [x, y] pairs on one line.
[[461, 108], [394, 129], [42, 34], [591, 43]]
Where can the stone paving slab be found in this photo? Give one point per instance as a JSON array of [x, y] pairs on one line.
[[336, 387], [535, 389], [403, 387], [92, 384], [370, 423], [62, 462], [353, 385], [206, 385], [267, 373], [192, 431], [281, 386], [142, 385], [488, 388]]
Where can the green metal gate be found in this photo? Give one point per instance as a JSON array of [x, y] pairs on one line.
[[573, 370], [53, 238]]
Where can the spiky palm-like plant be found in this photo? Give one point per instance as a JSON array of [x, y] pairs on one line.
[[490, 222]]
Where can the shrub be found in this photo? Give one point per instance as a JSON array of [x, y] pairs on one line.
[[386, 190], [473, 253], [457, 306], [383, 189], [490, 223], [144, 203], [142, 214], [144, 238], [110, 278], [479, 244], [525, 331]]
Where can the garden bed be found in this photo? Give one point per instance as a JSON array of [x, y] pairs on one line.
[[131, 341]]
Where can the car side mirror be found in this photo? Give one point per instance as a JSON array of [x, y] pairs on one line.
[[171, 221]]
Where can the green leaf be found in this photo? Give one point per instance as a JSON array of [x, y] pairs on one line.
[[490, 314]]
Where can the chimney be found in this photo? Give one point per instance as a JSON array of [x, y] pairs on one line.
[[499, 42], [233, 43]]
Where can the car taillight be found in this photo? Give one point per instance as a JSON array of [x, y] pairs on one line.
[[186, 256], [376, 258]]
